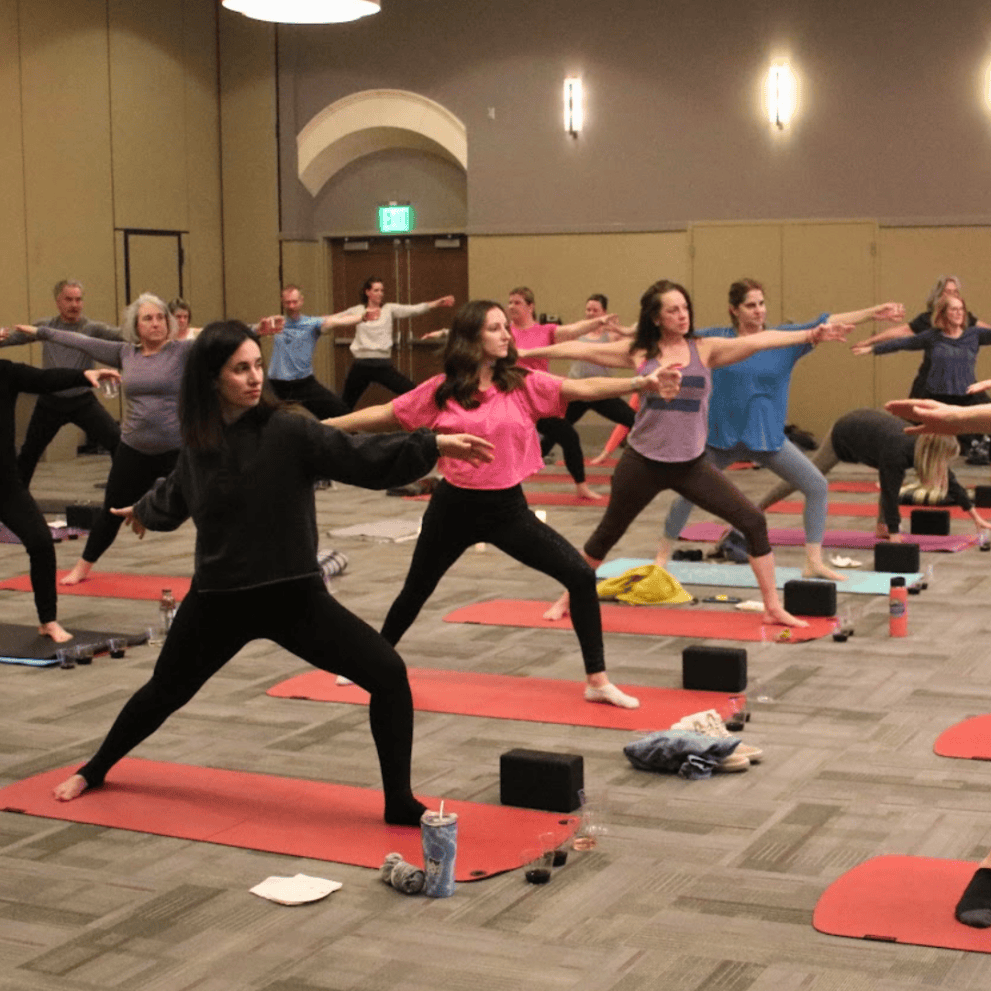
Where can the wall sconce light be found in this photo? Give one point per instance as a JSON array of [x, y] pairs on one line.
[[574, 105], [304, 11], [780, 94]]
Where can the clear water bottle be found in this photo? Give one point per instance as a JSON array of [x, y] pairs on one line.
[[167, 608]]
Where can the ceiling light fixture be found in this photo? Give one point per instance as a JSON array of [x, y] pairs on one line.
[[304, 11]]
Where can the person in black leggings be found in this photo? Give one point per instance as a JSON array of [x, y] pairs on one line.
[[18, 510], [245, 475]]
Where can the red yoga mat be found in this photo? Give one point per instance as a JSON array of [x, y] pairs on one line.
[[559, 478], [536, 700], [288, 816], [860, 509], [854, 486], [900, 899], [795, 537], [648, 620], [109, 584], [970, 739]]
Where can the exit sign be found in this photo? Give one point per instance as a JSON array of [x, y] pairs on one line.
[[396, 219]]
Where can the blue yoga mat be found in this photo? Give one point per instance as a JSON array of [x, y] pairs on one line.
[[858, 581], [34, 662]]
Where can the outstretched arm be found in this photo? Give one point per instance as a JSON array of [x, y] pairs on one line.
[[371, 419], [891, 334], [883, 311], [932, 417], [334, 321], [664, 381], [719, 351], [613, 354], [570, 331]]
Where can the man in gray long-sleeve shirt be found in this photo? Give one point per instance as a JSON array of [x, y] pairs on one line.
[[78, 405]]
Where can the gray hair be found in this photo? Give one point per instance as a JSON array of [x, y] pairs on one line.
[[937, 290], [129, 325], [63, 283]]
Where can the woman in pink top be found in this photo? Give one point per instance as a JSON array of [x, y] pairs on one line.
[[484, 392]]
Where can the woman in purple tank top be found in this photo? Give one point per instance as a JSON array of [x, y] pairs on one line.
[[666, 447]]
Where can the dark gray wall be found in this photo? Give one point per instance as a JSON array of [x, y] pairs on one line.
[[892, 123]]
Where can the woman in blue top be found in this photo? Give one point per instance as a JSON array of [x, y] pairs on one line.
[[747, 416]]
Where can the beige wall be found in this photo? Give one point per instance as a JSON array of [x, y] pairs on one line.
[[807, 268]]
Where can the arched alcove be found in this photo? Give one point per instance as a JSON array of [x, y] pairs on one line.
[[376, 120]]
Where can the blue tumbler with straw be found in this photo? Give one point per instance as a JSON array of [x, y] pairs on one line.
[[439, 836]]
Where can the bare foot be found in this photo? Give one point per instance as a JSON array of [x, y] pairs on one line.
[[821, 571], [54, 631], [598, 459], [778, 615], [70, 788], [78, 574], [584, 492], [560, 609]]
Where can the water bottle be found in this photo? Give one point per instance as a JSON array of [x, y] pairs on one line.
[[167, 608], [898, 608], [439, 835]]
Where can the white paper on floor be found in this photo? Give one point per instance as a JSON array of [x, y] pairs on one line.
[[392, 530], [296, 890]]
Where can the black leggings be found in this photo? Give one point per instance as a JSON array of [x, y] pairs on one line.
[[364, 371], [554, 430], [458, 518], [20, 513], [311, 395], [132, 474], [301, 616], [637, 480], [614, 409]]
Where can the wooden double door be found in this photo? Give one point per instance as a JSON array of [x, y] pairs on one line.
[[412, 269]]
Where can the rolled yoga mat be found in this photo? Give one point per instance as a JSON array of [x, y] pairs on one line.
[[670, 621], [536, 700], [898, 899], [289, 816]]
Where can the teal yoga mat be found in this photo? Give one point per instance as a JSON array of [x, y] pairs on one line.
[[858, 581]]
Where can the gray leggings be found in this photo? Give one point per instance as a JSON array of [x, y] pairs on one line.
[[791, 465], [824, 460]]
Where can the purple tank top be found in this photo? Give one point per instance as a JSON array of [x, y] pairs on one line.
[[674, 430]]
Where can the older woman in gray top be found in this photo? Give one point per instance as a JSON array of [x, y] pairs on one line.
[[151, 361]]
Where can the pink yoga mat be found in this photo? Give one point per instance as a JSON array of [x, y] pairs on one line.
[[899, 899], [290, 816], [547, 499], [795, 537], [859, 509], [537, 700]]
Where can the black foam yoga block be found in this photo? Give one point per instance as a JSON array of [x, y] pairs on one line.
[[935, 522], [714, 669], [982, 496], [537, 779], [810, 598], [896, 557], [82, 516]]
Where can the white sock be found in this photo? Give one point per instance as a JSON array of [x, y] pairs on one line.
[[341, 680]]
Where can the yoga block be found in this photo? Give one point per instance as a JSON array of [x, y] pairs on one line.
[[810, 598], [714, 669], [896, 557], [82, 516], [982, 496], [931, 521], [536, 779]]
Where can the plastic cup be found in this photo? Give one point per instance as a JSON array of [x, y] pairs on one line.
[[66, 657], [117, 646], [110, 388], [156, 636], [537, 865], [83, 653]]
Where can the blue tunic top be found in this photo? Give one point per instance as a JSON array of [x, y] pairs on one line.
[[749, 401], [292, 350]]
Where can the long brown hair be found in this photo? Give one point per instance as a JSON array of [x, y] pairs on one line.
[[648, 335], [738, 293], [463, 358]]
